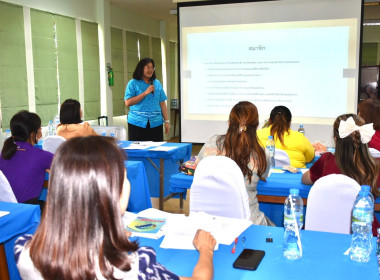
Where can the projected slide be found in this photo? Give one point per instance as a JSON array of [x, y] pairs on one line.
[[267, 64], [303, 54]]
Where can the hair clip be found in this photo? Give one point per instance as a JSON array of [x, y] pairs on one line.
[[242, 128]]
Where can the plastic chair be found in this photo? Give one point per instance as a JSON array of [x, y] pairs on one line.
[[330, 203], [51, 143], [6, 192], [281, 158], [374, 153], [219, 189]]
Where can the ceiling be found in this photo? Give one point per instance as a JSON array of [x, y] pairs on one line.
[[160, 9]]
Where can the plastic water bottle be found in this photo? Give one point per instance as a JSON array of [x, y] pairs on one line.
[[270, 147], [362, 216], [293, 222], [301, 129], [50, 128], [55, 124]]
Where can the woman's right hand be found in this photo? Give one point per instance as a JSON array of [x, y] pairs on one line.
[[204, 241], [149, 90]]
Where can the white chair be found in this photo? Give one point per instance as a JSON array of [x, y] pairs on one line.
[[330, 203], [219, 189], [6, 192], [51, 143], [374, 153], [281, 158]]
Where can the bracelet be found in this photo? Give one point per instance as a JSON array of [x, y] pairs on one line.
[[167, 121]]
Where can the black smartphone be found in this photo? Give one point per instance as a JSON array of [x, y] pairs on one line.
[[249, 259]]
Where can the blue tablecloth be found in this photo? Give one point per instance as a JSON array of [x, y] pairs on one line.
[[139, 199], [140, 196], [182, 151], [323, 257], [276, 185], [23, 219]]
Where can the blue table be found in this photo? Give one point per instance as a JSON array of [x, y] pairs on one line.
[[271, 194], [159, 166], [322, 258], [22, 219], [140, 196]]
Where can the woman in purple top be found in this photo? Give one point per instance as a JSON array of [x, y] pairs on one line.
[[23, 164]]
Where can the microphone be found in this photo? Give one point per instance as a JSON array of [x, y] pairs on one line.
[[151, 82]]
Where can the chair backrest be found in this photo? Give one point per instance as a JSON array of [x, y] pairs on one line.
[[281, 158], [51, 143], [219, 189], [375, 153], [330, 203], [6, 192]]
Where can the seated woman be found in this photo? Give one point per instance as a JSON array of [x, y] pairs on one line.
[[369, 111], [294, 143], [71, 124], [240, 144], [351, 157], [81, 235], [23, 164]]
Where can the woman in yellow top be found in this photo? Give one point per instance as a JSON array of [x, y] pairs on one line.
[[294, 143], [71, 124]]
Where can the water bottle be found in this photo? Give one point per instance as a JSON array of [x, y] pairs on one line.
[[301, 129], [7, 134], [55, 124], [270, 148], [293, 222], [50, 128], [362, 216]]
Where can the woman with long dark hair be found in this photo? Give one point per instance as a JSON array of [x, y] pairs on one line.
[[71, 124], [294, 143], [23, 164], [146, 98], [240, 143], [351, 157], [81, 235]]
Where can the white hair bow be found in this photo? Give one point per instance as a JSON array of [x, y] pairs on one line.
[[347, 127]]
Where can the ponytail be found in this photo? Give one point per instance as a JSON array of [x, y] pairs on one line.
[[9, 148]]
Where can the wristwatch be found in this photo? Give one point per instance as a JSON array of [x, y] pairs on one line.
[[167, 121]]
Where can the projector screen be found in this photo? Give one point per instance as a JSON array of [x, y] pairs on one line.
[[303, 54]]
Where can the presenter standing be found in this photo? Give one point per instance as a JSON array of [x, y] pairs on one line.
[[146, 98]]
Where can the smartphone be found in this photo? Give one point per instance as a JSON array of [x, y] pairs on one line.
[[249, 259]]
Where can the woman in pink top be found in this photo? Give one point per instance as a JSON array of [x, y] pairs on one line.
[[71, 121]]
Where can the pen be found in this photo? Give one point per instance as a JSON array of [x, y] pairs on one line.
[[234, 248]]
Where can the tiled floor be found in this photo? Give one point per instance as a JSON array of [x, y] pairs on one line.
[[172, 205]]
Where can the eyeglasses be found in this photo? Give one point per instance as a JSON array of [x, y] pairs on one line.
[[150, 68]]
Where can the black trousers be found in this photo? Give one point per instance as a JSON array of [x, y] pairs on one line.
[[136, 133]]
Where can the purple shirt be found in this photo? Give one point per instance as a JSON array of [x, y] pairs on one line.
[[25, 171]]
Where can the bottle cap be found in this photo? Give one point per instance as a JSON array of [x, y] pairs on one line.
[[366, 188], [294, 191], [270, 137], [301, 125]]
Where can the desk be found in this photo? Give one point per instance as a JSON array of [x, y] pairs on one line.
[[160, 163], [271, 194], [140, 196], [22, 219], [322, 257]]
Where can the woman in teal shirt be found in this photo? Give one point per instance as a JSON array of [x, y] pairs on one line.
[[146, 98]]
